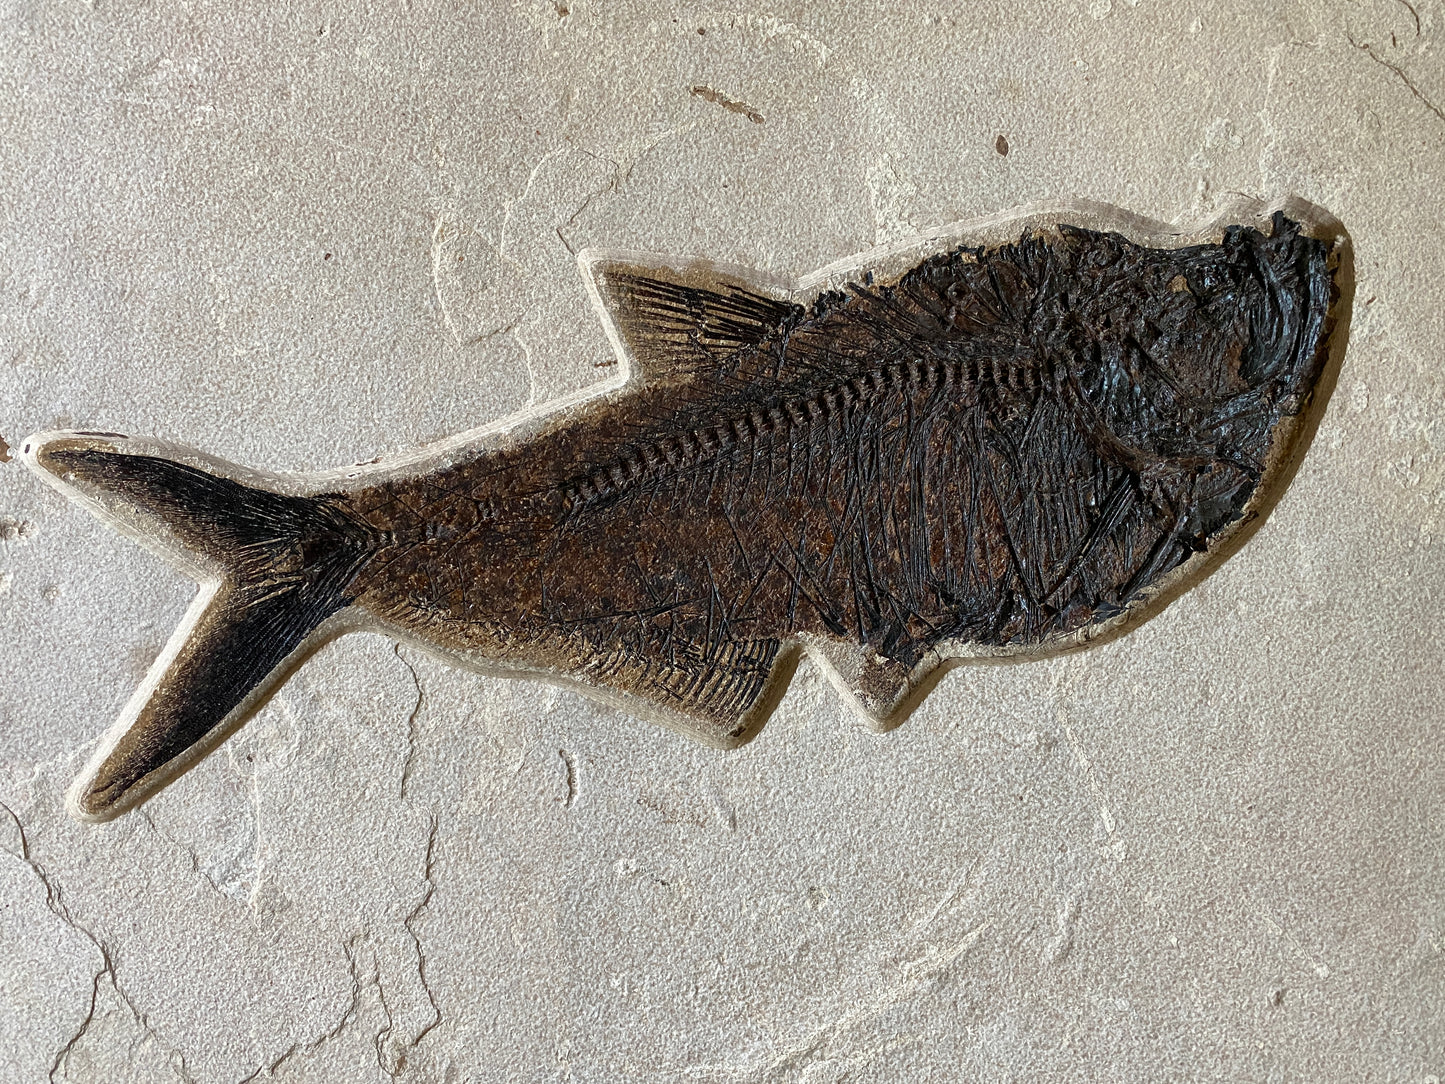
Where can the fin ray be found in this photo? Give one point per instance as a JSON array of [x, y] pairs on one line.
[[679, 324], [720, 699]]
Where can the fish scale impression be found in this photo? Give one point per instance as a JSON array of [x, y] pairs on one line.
[[1008, 440]]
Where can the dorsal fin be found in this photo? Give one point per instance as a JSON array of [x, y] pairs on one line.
[[674, 323]]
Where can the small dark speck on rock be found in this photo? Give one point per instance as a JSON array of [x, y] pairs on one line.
[[5, 456], [1277, 998], [1001, 145], [701, 30], [707, 94], [327, 256]]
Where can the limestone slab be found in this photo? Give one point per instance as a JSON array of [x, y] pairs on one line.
[[1211, 849]]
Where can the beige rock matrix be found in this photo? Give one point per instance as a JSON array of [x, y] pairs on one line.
[[1209, 848]]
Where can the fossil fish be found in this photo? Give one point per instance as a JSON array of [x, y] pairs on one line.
[[1005, 440]]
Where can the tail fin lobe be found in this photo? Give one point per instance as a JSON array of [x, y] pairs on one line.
[[279, 567]]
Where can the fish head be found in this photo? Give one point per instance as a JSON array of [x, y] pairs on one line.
[[1209, 346], [1192, 360]]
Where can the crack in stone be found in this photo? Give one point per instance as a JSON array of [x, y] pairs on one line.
[[1399, 73], [194, 857], [56, 905], [383, 1033], [412, 732], [248, 874], [336, 1031], [609, 185], [428, 874], [391, 1055], [438, 245], [569, 761], [63, 1055], [391, 1061], [189, 852], [1413, 13]]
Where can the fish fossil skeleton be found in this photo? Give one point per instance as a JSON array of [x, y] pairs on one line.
[[1005, 439]]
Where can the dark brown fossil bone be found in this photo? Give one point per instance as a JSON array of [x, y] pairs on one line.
[[1009, 448]]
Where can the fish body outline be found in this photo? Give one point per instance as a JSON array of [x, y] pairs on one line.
[[842, 467]]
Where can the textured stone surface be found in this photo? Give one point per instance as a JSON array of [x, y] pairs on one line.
[[1211, 849]]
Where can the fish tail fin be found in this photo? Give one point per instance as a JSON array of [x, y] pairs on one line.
[[275, 568]]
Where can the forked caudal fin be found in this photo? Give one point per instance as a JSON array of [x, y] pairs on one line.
[[274, 568]]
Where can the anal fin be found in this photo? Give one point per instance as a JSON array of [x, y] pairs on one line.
[[881, 690], [720, 697]]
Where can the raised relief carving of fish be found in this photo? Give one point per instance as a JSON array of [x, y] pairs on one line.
[[1007, 439]]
